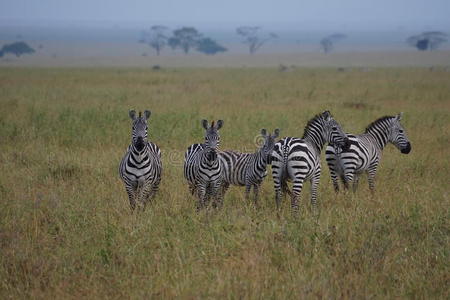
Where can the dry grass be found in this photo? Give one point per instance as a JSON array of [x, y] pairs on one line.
[[65, 226]]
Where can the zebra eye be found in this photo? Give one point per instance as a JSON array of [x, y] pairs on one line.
[[401, 131], [334, 128]]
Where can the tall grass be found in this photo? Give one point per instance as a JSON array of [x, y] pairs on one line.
[[65, 226]]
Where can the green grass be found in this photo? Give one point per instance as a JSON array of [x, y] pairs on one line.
[[65, 226]]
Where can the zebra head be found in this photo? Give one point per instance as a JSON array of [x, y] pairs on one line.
[[212, 138], [333, 133], [139, 129], [397, 135], [269, 143]]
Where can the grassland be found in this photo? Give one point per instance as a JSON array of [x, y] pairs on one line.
[[65, 226]]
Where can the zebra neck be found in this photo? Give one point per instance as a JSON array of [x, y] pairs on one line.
[[205, 159], [260, 157], [380, 137], [139, 155], [315, 139]]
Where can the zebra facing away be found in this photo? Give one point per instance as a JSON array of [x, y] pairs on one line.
[[141, 167], [248, 169], [297, 160], [202, 167], [365, 151]]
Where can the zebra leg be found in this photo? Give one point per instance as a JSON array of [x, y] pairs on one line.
[[285, 189], [247, 191], [334, 177], [201, 195], [277, 187], [256, 193], [217, 195], [332, 161], [131, 197], [150, 194], [355, 183], [345, 182], [335, 181], [371, 172], [314, 186], [295, 197], [349, 176]]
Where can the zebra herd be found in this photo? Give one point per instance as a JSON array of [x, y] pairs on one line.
[[210, 171]]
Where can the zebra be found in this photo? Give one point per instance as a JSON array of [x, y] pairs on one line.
[[365, 151], [202, 167], [297, 160], [248, 169], [141, 167]]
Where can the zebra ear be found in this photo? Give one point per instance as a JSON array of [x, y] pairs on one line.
[[276, 133], [147, 114], [399, 116], [132, 114], [205, 124], [263, 132], [326, 115], [219, 124]]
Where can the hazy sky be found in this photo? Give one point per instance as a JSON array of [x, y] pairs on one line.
[[309, 14]]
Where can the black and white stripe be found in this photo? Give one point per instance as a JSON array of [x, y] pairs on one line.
[[248, 169], [202, 167], [297, 160], [365, 151], [141, 167]]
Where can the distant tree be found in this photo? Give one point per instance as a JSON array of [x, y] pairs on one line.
[[429, 40], [253, 38], [209, 46], [155, 37], [173, 43], [327, 43], [16, 48], [184, 38]]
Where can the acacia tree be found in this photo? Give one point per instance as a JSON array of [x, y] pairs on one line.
[[16, 48], [184, 38], [155, 37], [327, 43], [209, 46], [253, 38], [429, 40]]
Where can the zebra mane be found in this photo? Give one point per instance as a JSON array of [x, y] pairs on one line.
[[310, 122], [377, 122]]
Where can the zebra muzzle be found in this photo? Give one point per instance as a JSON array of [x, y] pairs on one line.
[[212, 156], [407, 149], [139, 144]]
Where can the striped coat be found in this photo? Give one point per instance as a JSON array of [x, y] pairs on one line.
[[203, 169], [248, 169], [297, 160], [365, 151], [141, 167]]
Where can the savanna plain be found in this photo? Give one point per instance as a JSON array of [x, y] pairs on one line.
[[66, 230]]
